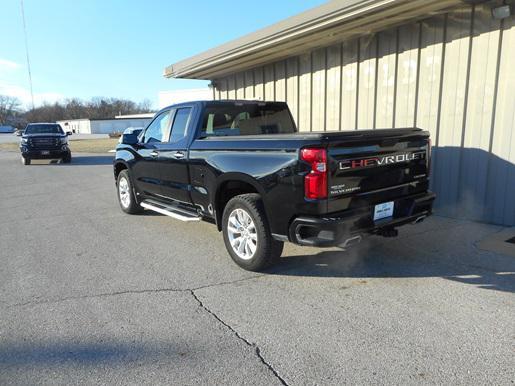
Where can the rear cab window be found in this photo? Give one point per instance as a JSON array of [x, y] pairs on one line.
[[240, 119]]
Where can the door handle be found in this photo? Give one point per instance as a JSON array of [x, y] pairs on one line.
[[154, 153], [178, 155]]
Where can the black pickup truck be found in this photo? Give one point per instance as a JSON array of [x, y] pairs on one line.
[[244, 166], [44, 141]]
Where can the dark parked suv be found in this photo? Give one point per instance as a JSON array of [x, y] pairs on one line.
[[44, 141]]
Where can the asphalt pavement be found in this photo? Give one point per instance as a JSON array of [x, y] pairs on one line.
[[89, 294]]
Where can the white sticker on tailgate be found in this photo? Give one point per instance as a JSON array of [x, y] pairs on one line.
[[383, 210]]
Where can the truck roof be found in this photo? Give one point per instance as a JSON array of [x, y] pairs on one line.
[[224, 101]]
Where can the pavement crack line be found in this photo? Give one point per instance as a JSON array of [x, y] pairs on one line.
[[256, 348], [257, 351], [127, 292], [100, 295]]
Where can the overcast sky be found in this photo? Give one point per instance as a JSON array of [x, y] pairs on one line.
[[119, 48]]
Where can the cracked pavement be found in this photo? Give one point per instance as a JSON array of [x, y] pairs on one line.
[[91, 295]]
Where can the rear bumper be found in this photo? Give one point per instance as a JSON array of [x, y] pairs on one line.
[[334, 229]]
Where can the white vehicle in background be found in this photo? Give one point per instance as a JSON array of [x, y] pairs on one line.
[[6, 129]]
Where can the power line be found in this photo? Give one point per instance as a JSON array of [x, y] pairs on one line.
[[27, 52]]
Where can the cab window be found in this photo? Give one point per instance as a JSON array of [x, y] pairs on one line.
[[180, 123], [158, 130]]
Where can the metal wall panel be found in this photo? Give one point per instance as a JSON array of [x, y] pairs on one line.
[[501, 169], [259, 85], [222, 88], [450, 133], [318, 89], [333, 89], [269, 82], [280, 81], [305, 75], [348, 116], [407, 69], [249, 84], [367, 67], [231, 87], [430, 73], [386, 78], [479, 114], [292, 86], [451, 74], [240, 85]]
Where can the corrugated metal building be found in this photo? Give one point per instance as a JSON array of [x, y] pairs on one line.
[[444, 66]]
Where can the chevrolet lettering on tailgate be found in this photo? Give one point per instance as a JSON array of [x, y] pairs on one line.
[[380, 161]]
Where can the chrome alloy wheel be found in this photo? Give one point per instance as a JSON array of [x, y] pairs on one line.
[[242, 234], [124, 192]]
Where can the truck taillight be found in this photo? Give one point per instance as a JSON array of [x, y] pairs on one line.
[[315, 183]]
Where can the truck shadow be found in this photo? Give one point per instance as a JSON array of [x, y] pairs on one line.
[[77, 160], [89, 160], [387, 262], [62, 354], [474, 184]]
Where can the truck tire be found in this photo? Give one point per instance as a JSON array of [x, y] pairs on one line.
[[126, 197], [25, 160], [67, 158], [247, 234]]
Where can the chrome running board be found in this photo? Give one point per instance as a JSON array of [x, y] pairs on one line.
[[173, 211]]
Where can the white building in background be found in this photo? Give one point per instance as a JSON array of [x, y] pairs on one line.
[[167, 98], [106, 126], [121, 122]]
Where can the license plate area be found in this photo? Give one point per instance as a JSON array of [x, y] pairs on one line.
[[383, 210]]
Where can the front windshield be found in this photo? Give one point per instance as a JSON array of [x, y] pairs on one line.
[[44, 129]]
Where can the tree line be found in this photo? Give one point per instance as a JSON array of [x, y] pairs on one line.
[[12, 113]]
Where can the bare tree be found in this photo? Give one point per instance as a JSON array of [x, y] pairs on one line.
[[144, 106], [9, 108], [96, 108]]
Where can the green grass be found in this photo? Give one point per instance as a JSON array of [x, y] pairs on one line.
[[78, 146], [93, 145]]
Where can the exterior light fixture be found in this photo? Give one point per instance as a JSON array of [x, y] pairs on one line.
[[501, 12]]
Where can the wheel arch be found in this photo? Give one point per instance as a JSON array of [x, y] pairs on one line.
[[118, 166], [230, 185]]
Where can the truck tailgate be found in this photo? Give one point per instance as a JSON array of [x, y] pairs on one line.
[[375, 166]]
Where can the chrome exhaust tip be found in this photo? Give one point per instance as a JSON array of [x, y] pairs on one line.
[[419, 219], [351, 241]]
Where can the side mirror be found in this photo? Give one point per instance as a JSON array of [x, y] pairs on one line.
[[19, 133], [68, 133], [129, 139]]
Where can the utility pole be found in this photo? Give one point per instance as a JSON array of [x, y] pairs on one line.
[[27, 52]]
